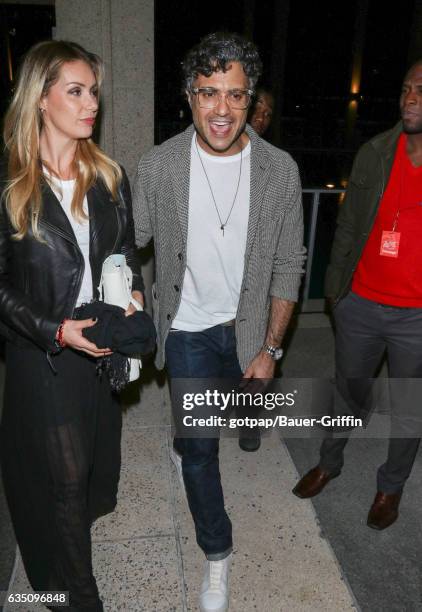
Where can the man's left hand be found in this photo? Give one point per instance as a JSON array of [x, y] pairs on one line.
[[259, 371]]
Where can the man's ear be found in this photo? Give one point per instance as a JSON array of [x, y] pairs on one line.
[[189, 97]]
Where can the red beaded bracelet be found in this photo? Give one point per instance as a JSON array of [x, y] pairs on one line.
[[59, 335]]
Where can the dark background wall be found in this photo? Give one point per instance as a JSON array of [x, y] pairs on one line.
[[309, 50]]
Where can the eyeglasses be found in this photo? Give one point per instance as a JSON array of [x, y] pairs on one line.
[[236, 98]]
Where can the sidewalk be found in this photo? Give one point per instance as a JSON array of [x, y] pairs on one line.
[[145, 555]]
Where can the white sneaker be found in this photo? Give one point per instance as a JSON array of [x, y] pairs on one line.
[[215, 586], [177, 462]]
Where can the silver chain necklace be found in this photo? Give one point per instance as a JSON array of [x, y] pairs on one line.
[[222, 225]]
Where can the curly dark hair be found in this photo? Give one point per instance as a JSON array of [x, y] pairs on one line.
[[215, 51]]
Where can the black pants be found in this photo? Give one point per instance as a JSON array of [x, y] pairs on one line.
[[60, 456], [364, 330]]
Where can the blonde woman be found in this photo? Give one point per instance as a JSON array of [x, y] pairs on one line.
[[65, 206]]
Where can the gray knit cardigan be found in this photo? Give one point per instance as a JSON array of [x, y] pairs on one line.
[[274, 256]]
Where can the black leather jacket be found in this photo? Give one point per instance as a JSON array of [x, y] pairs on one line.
[[40, 281]]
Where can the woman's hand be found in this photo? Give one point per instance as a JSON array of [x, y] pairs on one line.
[[138, 296], [72, 337]]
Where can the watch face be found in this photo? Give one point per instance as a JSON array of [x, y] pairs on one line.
[[278, 354]]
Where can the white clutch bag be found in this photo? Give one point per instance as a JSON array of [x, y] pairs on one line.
[[116, 288]]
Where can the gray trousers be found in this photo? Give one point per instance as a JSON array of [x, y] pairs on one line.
[[364, 331]]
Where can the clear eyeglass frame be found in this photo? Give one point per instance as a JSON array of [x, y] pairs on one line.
[[209, 98]]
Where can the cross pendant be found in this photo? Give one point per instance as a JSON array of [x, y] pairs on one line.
[[222, 228]]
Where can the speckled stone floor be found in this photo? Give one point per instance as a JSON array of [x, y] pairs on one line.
[[145, 556]]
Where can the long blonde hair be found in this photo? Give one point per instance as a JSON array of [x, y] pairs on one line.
[[22, 127]]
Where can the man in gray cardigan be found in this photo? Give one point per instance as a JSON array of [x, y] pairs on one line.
[[224, 209]]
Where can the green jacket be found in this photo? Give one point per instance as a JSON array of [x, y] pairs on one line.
[[367, 183]]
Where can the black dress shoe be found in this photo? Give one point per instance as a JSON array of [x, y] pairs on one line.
[[249, 445], [313, 482], [249, 439], [384, 510]]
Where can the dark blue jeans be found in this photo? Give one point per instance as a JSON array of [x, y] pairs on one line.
[[207, 354]]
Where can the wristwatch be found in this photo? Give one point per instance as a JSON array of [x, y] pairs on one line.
[[276, 352]]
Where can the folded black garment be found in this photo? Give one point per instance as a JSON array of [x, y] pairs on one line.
[[129, 336]]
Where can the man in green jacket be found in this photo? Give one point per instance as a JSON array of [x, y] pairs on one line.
[[374, 283]]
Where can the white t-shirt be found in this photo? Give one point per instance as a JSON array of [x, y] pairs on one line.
[[64, 193], [215, 262]]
